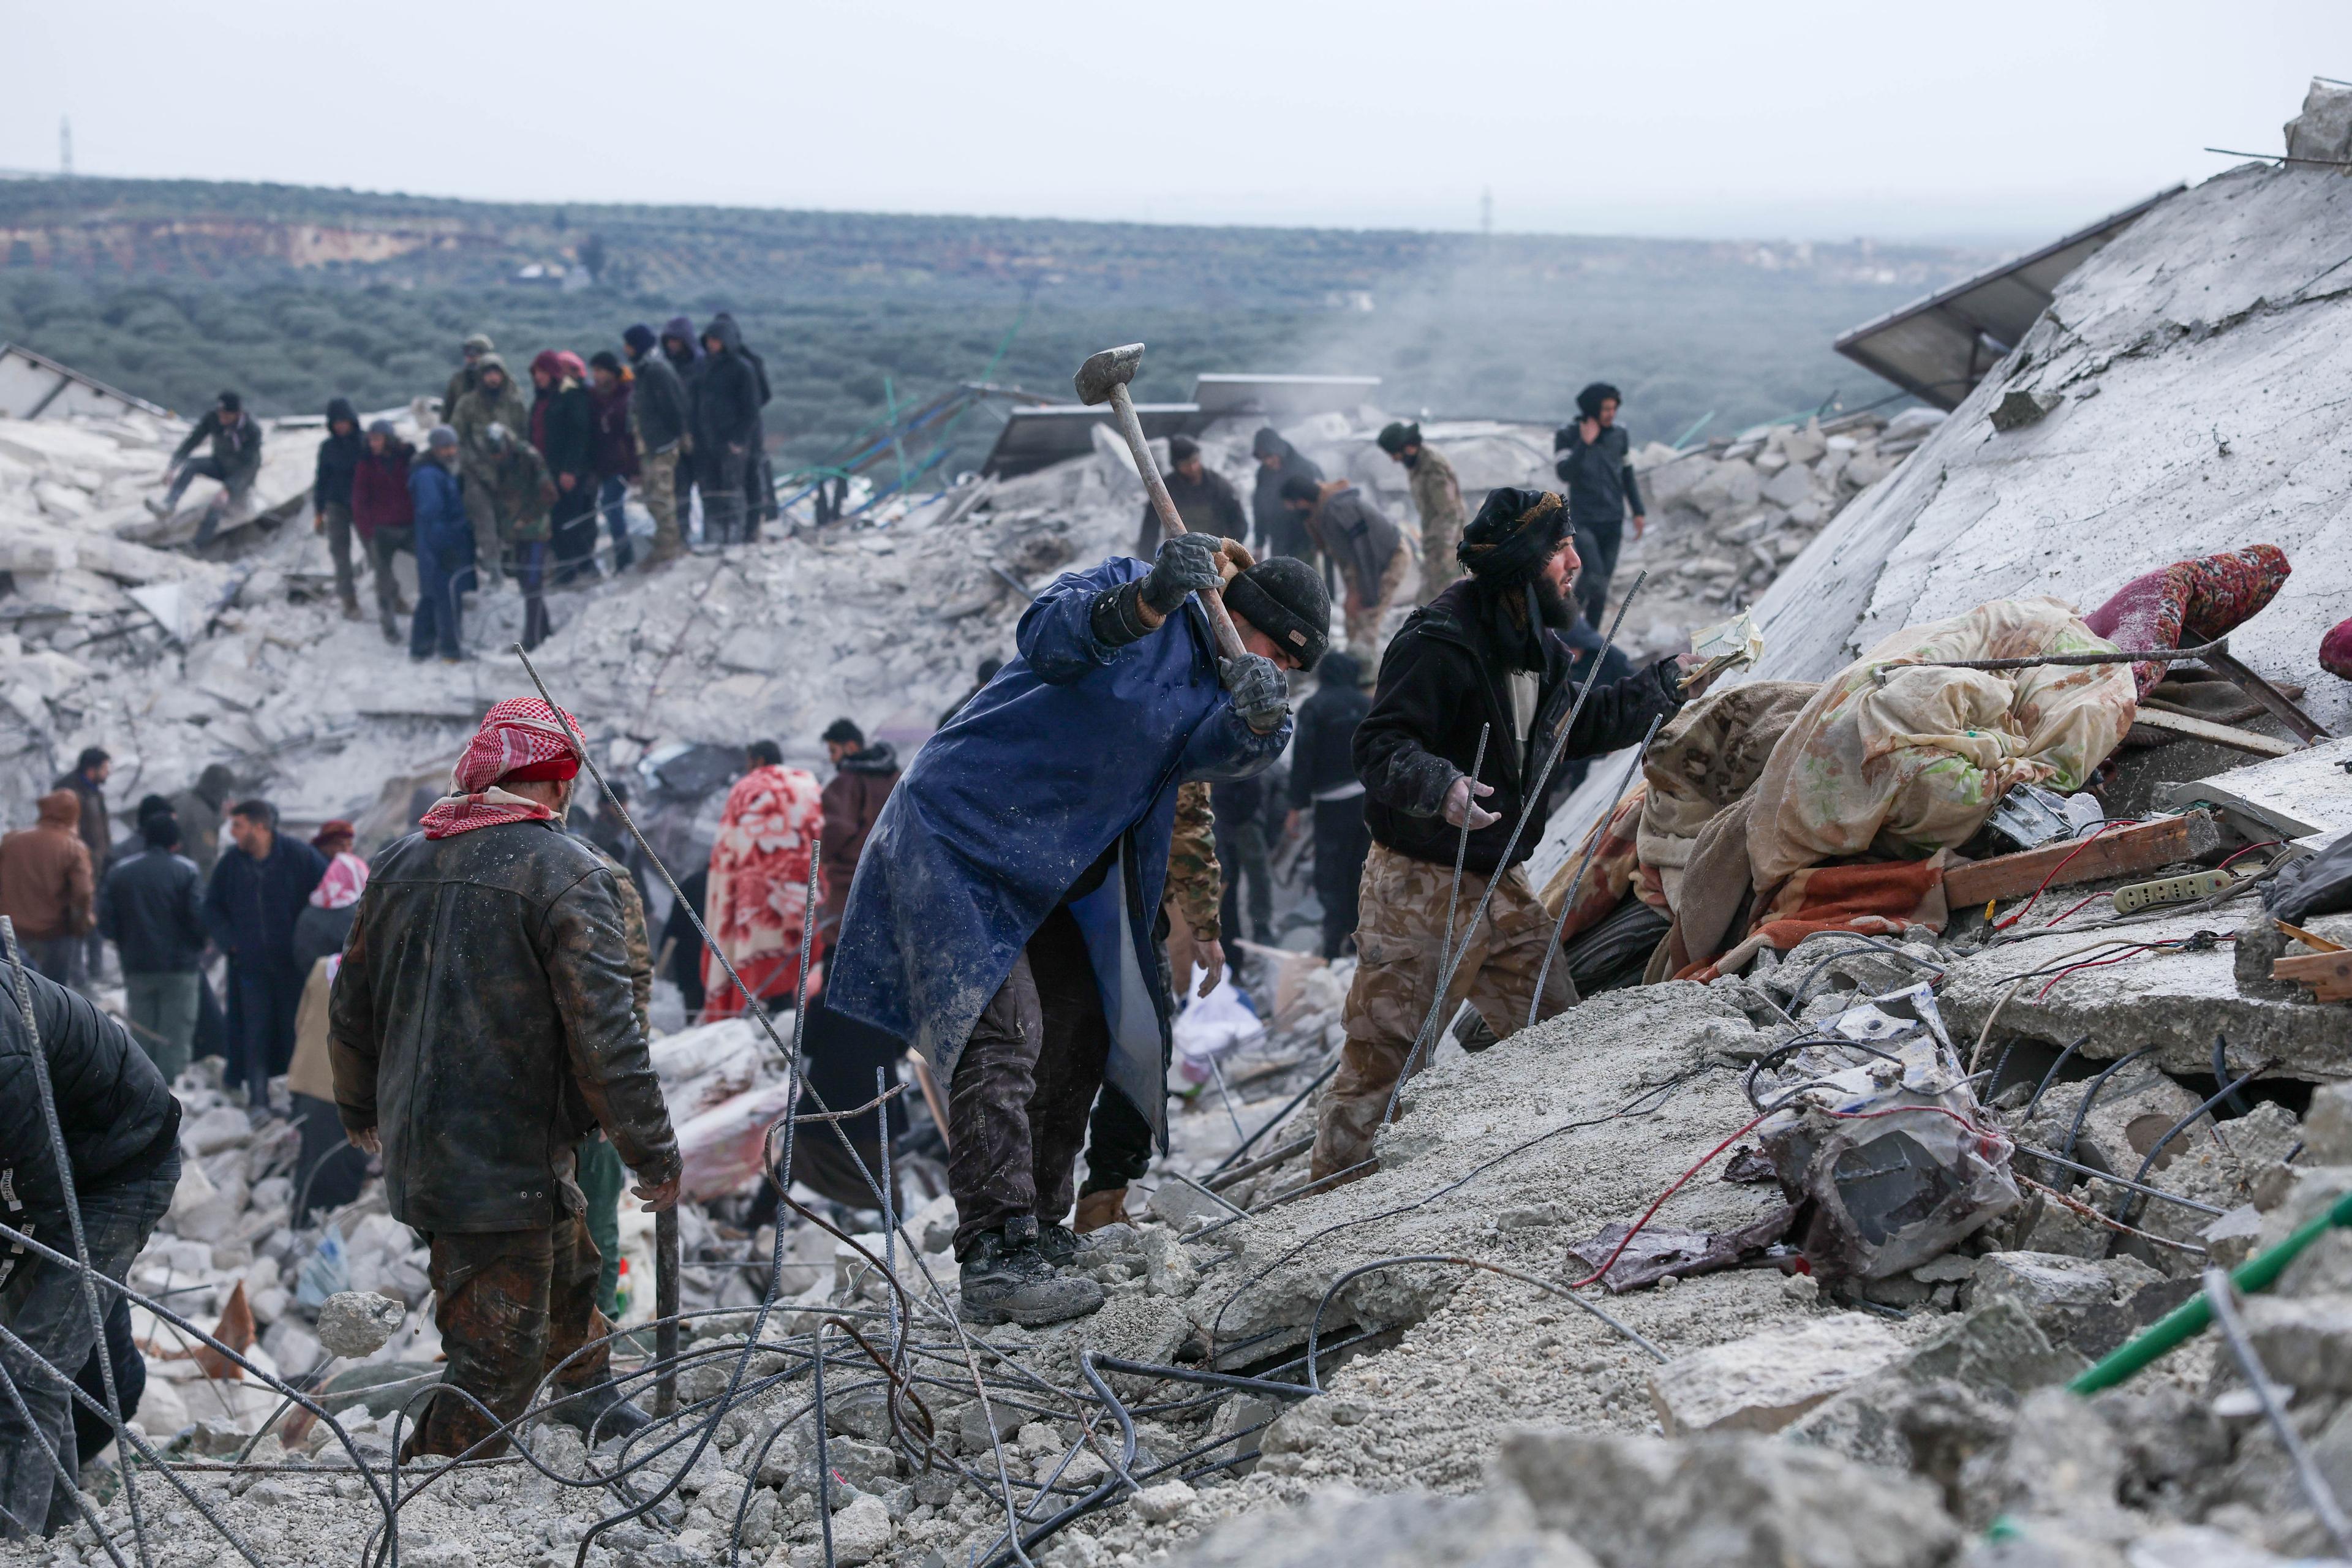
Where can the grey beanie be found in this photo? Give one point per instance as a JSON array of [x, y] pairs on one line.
[[442, 435]]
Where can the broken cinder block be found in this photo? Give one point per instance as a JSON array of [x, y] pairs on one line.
[[1763, 1383]]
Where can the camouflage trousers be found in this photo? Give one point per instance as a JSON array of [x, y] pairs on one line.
[[511, 1305], [1440, 537], [1368, 627], [657, 482], [1402, 926]]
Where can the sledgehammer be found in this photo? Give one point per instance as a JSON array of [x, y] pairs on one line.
[[1104, 377]]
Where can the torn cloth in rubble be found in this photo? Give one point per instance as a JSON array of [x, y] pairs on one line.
[[1655, 1252], [1901, 770], [2188, 603], [759, 887], [1877, 897]]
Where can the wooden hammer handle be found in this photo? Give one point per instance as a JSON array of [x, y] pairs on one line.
[[1229, 641]]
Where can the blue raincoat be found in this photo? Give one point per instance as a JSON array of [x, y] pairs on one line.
[[1074, 747]]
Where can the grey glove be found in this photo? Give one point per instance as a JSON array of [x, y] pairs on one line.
[[1260, 695], [1186, 564]]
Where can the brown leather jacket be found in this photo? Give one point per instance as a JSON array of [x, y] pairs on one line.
[[484, 1022], [45, 878], [853, 801]]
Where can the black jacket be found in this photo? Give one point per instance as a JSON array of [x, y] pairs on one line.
[[1600, 477], [1279, 531], [250, 906], [321, 933], [657, 401], [567, 432], [1445, 676], [1323, 747], [151, 906], [725, 398], [483, 1022], [338, 456], [237, 450], [114, 1108], [1209, 507]]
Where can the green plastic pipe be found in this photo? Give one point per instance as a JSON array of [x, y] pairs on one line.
[[2194, 1316]]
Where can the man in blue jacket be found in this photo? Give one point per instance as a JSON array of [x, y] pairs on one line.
[[1004, 912], [257, 892], [445, 550]]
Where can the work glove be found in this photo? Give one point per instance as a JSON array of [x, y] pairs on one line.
[[1260, 695], [1186, 564]]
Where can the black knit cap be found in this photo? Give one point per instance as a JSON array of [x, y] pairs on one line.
[[1299, 487], [1284, 598], [1397, 435], [1515, 532]]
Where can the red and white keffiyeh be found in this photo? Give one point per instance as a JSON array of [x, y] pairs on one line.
[[759, 887], [345, 880], [521, 739]]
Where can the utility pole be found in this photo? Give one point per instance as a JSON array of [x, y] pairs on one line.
[[1486, 212], [65, 146]]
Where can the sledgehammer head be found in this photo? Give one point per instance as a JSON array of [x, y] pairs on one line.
[[1112, 367]]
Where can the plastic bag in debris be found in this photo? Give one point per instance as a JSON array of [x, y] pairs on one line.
[[1892, 1155], [1214, 1026], [1902, 769], [326, 1272], [2321, 885]]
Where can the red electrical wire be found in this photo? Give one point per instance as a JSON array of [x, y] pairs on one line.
[[2093, 899], [2266, 843], [2018, 913], [1680, 1183], [2137, 950]]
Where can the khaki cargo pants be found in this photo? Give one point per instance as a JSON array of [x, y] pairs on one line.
[[1368, 627], [657, 482], [1402, 927]]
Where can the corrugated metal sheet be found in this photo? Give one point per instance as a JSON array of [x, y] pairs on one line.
[[34, 386], [1938, 348], [1035, 439]]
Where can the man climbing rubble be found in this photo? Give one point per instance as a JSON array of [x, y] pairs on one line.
[[476, 1067], [235, 460], [1002, 917], [120, 1128], [1486, 652]]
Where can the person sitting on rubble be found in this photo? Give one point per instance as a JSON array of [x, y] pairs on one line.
[[1436, 496], [495, 401], [235, 460], [121, 1130], [524, 495], [446, 540], [1375, 562], [382, 517], [1003, 916], [475, 1068], [1204, 500], [1486, 654], [1596, 464], [1278, 531]]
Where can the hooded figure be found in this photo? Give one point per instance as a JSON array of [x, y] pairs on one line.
[[1004, 913], [462, 380], [726, 429], [1279, 531], [1596, 464], [45, 885], [476, 1068], [487, 404], [198, 808], [758, 477], [330, 495], [1486, 655], [1323, 784]]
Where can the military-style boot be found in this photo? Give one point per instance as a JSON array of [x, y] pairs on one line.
[[1007, 1279], [599, 1412]]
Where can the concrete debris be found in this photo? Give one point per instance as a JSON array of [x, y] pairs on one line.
[[1763, 1383], [354, 1324]]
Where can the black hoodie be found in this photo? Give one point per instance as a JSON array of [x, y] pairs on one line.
[[338, 456], [726, 394]]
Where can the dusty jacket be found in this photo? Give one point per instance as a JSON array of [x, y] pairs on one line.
[[657, 402], [1209, 507], [45, 880], [117, 1115], [152, 908], [521, 491], [852, 800], [235, 448], [330, 481], [1352, 532], [482, 1061], [1444, 676], [481, 408]]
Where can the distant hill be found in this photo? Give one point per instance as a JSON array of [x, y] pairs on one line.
[[174, 289]]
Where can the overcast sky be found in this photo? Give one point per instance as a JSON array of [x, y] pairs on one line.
[[1993, 120]]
